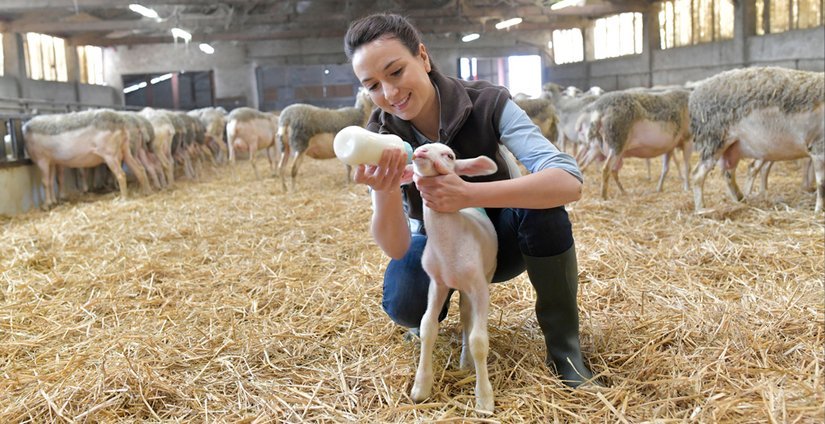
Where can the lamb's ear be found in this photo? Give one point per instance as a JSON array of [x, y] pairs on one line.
[[407, 176], [481, 165]]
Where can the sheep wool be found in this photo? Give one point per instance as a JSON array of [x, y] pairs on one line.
[[103, 119], [723, 100]]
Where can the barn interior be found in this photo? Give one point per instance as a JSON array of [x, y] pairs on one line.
[[227, 298]]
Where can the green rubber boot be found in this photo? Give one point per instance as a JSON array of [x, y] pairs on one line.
[[555, 279]]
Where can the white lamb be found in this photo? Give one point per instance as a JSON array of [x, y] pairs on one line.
[[461, 255]]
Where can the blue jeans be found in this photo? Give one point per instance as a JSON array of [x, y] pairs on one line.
[[531, 232]]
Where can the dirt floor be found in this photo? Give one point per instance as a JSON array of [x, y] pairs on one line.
[[228, 300]]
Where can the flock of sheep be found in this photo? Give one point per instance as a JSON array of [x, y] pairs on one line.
[[154, 144], [767, 114], [764, 113]]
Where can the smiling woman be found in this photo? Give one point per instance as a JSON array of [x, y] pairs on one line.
[[476, 118]]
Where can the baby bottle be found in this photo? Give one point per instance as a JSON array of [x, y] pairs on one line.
[[354, 145]]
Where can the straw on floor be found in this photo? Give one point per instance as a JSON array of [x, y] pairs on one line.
[[227, 300]]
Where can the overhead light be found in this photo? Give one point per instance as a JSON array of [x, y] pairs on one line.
[[135, 87], [206, 48], [163, 77], [508, 23], [179, 33], [567, 3], [470, 37], [143, 10]]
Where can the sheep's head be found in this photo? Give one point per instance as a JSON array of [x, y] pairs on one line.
[[434, 159]]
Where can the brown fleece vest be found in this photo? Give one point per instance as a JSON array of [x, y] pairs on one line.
[[470, 114]]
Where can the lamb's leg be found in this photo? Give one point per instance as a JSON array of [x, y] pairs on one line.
[[47, 178], [295, 165], [429, 330], [647, 166], [466, 325], [750, 176], [819, 171], [61, 182], [614, 171], [151, 172], [808, 175], [282, 165], [665, 168], [764, 178], [136, 167], [685, 174], [114, 164], [608, 164], [252, 151], [733, 188], [698, 177], [270, 158], [479, 297], [84, 179]]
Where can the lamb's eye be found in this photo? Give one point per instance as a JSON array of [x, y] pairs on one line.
[[450, 156]]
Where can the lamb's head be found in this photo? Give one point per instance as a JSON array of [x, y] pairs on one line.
[[434, 159]]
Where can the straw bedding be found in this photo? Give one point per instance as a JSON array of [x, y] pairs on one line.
[[227, 300]]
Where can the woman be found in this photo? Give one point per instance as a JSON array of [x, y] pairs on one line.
[[421, 105]]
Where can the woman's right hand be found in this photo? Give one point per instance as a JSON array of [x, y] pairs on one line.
[[386, 175]]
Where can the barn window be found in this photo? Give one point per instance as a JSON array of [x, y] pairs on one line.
[[45, 57], [687, 22], [2, 59], [618, 35], [774, 16], [91, 64], [568, 46]]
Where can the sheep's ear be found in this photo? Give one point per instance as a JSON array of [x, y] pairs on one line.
[[407, 176], [479, 166]]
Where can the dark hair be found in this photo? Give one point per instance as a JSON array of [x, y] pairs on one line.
[[381, 25]]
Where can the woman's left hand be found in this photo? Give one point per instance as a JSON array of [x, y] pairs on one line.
[[443, 193]]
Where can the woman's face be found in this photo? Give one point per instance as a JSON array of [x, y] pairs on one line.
[[396, 80]]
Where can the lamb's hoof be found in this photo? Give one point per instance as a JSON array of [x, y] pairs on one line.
[[413, 334], [485, 404], [420, 394]]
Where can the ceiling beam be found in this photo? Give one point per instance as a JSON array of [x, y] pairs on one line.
[[19, 6]]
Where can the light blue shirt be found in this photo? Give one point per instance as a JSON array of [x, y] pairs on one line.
[[524, 139]]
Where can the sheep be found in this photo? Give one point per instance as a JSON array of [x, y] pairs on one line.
[[161, 144], [197, 147], [151, 160], [309, 130], [542, 113], [78, 140], [569, 110], [639, 124], [214, 121], [181, 143], [253, 130], [765, 113], [460, 254], [762, 168], [138, 145]]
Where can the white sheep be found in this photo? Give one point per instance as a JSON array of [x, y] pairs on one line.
[[765, 113], [309, 130], [138, 144], [214, 121], [460, 254], [253, 130], [542, 112], [161, 144], [638, 124], [78, 140]]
